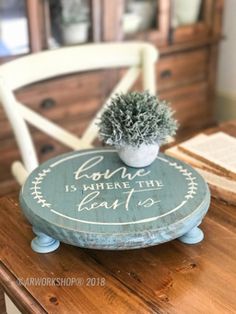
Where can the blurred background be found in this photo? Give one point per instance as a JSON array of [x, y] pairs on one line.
[[196, 71], [226, 78]]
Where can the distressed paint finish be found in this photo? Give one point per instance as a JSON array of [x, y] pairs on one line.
[[91, 199]]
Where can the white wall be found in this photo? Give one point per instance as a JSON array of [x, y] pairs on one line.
[[226, 86]]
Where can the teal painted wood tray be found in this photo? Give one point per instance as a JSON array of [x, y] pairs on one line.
[[91, 199]]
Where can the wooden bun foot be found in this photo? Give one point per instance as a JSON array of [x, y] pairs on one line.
[[193, 236], [42, 243]]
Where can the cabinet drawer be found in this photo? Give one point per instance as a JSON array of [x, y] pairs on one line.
[[50, 96], [76, 113], [190, 104], [182, 68], [46, 146]]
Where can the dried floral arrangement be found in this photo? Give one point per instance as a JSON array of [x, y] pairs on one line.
[[136, 118]]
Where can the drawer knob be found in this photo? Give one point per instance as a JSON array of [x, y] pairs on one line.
[[47, 148], [166, 74], [48, 103]]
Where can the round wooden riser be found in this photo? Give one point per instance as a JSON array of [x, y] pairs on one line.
[[91, 199]]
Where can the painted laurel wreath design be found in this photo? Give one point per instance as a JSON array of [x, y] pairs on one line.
[[36, 188], [192, 185], [38, 196]]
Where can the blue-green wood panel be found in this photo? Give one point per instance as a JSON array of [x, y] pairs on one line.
[[91, 199]]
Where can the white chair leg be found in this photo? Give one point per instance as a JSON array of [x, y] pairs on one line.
[[19, 172], [10, 306]]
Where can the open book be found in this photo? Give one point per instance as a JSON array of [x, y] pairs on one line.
[[217, 150], [214, 156]]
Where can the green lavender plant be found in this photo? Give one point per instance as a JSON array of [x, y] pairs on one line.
[[136, 118]]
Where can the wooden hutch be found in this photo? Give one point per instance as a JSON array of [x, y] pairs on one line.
[[186, 71]]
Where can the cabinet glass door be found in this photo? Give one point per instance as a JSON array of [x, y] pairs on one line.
[[14, 36], [146, 20], [186, 12], [191, 19], [139, 16], [68, 22]]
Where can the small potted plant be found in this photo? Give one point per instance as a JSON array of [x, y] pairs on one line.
[[137, 124], [75, 22]]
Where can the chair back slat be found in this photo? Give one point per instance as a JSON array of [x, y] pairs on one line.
[[19, 126], [52, 129], [45, 65], [53, 63], [123, 86], [148, 71]]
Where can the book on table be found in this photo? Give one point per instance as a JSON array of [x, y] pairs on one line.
[[214, 156]]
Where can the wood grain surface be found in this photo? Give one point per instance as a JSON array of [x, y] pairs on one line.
[[169, 278], [2, 302]]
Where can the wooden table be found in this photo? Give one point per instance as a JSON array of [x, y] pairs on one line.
[[168, 278]]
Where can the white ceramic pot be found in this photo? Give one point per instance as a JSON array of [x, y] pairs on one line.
[[75, 33], [186, 11], [131, 23], [145, 10], [138, 157]]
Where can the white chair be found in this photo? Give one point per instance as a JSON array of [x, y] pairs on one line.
[[139, 57]]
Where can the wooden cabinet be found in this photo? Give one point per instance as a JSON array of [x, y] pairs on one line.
[[207, 24], [188, 48], [179, 69], [185, 71], [136, 20]]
